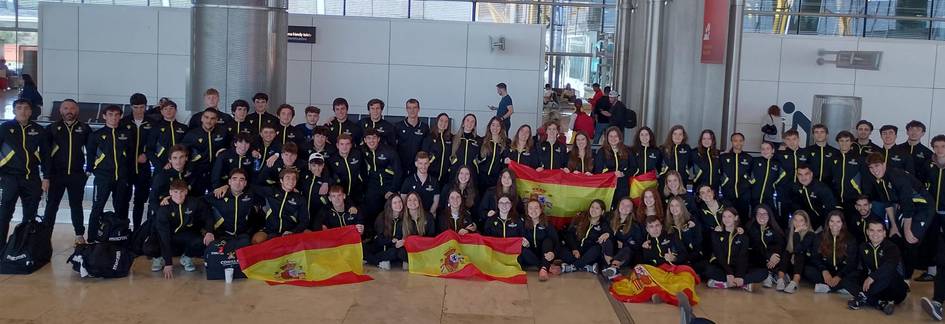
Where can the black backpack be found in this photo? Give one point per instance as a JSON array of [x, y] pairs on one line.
[[113, 229], [102, 260], [28, 249], [144, 240], [220, 255]]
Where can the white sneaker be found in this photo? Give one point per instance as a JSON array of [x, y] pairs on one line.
[[769, 282], [746, 287], [188, 263], [383, 265], [821, 288], [716, 284], [157, 264], [610, 272], [565, 268], [405, 266], [779, 286], [791, 287], [844, 292], [592, 268]]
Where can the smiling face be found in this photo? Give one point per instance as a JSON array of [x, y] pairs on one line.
[[675, 207], [706, 140], [625, 208], [534, 209], [729, 219], [678, 136], [706, 193], [469, 124], [396, 204], [835, 224], [654, 229], [237, 182], [289, 180], [413, 202], [505, 205], [761, 216], [595, 210], [455, 200], [863, 132]]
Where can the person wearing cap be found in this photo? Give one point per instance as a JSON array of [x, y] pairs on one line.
[[410, 135], [237, 157], [383, 173], [319, 144], [307, 129], [620, 116], [375, 120], [314, 185]]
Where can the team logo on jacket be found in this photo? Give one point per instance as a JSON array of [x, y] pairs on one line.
[[429, 188], [290, 270], [79, 130], [382, 157], [452, 261], [418, 132], [292, 201]]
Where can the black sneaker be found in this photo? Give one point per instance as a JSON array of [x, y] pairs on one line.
[[886, 306], [857, 302], [925, 277], [933, 308]]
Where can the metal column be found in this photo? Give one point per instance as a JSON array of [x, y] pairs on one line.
[[622, 53], [651, 70], [239, 48], [732, 65]]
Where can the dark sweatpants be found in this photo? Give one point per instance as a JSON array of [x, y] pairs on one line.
[[535, 256], [187, 243], [892, 289], [388, 254], [12, 187], [851, 283], [753, 275], [58, 186], [590, 255]]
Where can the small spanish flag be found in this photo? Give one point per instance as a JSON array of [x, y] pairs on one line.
[[563, 195], [323, 258], [450, 255], [664, 281], [640, 183]]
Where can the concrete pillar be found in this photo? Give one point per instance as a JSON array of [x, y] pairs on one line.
[[239, 48]]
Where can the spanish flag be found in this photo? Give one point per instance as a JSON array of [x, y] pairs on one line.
[[640, 183], [323, 258], [450, 255], [563, 195], [664, 281]]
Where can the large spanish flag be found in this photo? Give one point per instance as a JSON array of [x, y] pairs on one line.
[[563, 195], [450, 255], [639, 183], [664, 281], [323, 258]]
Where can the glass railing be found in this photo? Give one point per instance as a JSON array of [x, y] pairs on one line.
[[910, 19]]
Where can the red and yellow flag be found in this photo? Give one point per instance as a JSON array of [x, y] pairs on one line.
[[664, 281], [323, 258], [450, 255], [640, 183], [563, 195]]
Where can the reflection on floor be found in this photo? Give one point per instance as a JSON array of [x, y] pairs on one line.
[[56, 294]]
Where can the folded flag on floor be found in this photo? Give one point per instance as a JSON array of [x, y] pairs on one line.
[[323, 258], [470, 256], [640, 183], [563, 194], [664, 281]]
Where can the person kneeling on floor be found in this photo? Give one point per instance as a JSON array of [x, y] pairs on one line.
[[178, 227], [884, 286]]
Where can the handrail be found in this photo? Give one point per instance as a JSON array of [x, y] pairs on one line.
[[749, 12]]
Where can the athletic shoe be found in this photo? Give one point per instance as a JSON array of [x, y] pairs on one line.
[[383, 265], [566, 268], [821, 288], [769, 282], [157, 264], [610, 272], [791, 287], [405, 266], [933, 308], [685, 308], [79, 239], [746, 287], [925, 277], [887, 307], [857, 302], [780, 285], [188, 263], [592, 268], [716, 284], [543, 275], [844, 292]]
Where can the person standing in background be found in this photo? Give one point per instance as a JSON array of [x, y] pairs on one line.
[[504, 110], [31, 94], [601, 112], [773, 126], [620, 116]]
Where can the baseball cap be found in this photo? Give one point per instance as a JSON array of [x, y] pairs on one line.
[[316, 158]]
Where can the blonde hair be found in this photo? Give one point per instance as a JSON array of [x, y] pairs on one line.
[[418, 226], [790, 241], [670, 223]]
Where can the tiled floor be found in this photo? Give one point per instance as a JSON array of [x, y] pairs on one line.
[[56, 294]]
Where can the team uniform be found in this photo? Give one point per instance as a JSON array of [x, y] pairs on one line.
[[65, 170], [109, 150], [22, 148]]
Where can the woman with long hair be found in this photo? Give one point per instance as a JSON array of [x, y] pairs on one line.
[[736, 168], [650, 205], [389, 240], [766, 243], [766, 172], [505, 187], [585, 239], [418, 220], [538, 245], [466, 144], [626, 236], [464, 181], [504, 221], [580, 158], [644, 153], [673, 187], [706, 161], [551, 154], [677, 154], [836, 269], [729, 267], [521, 148], [439, 144], [800, 248], [492, 154], [680, 225], [613, 156], [709, 208], [455, 216]]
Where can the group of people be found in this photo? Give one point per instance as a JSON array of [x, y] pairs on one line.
[[857, 219]]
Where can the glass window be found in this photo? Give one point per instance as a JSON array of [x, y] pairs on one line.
[[509, 13], [441, 10], [303, 7], [329, 7], [7, 13]]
